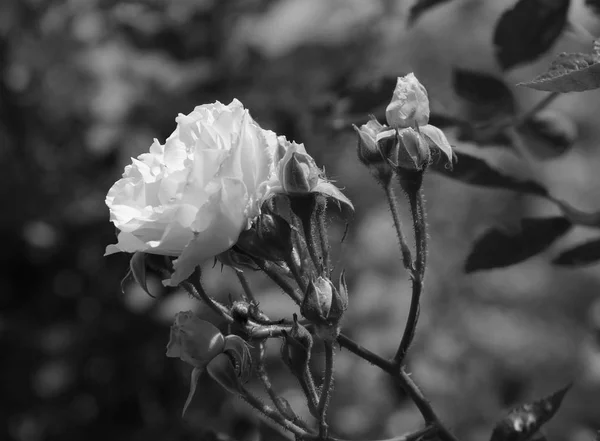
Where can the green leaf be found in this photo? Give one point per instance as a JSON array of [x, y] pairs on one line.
[[497, 248], [474, 170], [137, 265], [524, 422], [585, 254], [575, 72], [528, 30]]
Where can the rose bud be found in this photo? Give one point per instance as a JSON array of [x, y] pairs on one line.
[[194, 341], [300, 174], [202, 345], [409, 106], [317, 300], [295, 173], [376, 143], [413, 150], [339, 300], [296, 348]]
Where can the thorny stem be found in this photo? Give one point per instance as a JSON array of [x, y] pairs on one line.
[[281, 282], [420, 226], [307, 383], [519, 120], [285, 411], [411, 322], [522, 119], [322, 230], [249, 295], [273, 414], [308, 205], [418, 215], [404, 248], [294, 263], [326, 390], [407, 384]]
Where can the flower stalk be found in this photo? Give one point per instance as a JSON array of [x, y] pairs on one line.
[[326, 390]]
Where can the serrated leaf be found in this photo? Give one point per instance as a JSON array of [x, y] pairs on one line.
[[574, 72], [420, 7], [524, 422], [474, 170], [528, 30], [585, 254], [498, 248], [137, 264]]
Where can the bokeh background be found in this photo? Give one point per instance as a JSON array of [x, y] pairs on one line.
[[87, 84]]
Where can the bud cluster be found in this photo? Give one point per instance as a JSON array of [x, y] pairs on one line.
[[405, 145]]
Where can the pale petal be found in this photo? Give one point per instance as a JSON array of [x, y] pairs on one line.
[[437, 138], [127, 243], [228, 206]]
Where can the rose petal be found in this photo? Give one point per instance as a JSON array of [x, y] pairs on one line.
[[436, 138], [221, 233], [127, 243]]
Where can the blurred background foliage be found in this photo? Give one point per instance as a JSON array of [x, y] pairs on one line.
[[87, 84]]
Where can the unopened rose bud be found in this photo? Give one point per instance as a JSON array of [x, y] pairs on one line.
[[296, 348], [275, 234], [368, 152], [317, 301], [300, 174], [413, 150], [194, 341], [269, 239], [376, 143], [410, 105], [339, 301]]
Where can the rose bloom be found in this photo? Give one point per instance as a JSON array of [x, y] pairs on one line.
[[194, 195]]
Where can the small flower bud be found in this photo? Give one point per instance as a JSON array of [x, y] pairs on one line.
[[410, 105], [413, 150], [368, 152], [339, 301], [375, 144], [317, 301], [270, 238], [194, 341], [296, 348], [300, 174]]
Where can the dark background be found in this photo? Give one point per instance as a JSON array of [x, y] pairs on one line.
[[85, 85]]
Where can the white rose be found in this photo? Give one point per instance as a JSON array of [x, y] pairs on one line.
[[193, 196]]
